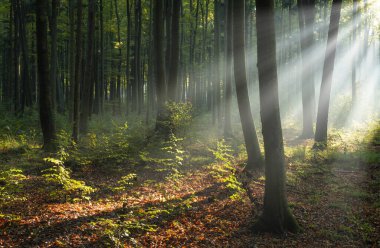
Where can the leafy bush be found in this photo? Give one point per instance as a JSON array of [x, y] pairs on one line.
[[179, 115], [61, 186], [125, 182], [11, 185], [224, 170]]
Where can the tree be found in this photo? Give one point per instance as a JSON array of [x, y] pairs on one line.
[[328, 69], [78, 72], [306, 13], [87, 82], [354, 58], [248, 126], [228, 93], [159, 64], [174, 53], [276, 216], [45, 86]]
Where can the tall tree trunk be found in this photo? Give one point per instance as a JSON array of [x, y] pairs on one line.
[[228, 93], [216, 81], [26, 96], [276, 216], [174, 59], [354, 58], [328, 69], [78, 72], [118, 78], [53, 50], [71, 58], [128, 59], [306, 13], [87, 85], [159, 64], [16, 59], [138, 79], [248, 126], [46, 110]]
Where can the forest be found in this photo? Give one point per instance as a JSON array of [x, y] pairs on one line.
[[189, 123]]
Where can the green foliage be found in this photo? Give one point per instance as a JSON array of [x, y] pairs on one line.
[[11, 185], [125, 182], [224, 171], [169, 157], [114, 233], [60, 185], [179, 115], [223, 152]]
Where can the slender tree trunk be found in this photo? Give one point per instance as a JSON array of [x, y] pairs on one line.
[[159, 64], [78, 72], [228, 93], [306, 13], [137, 75], [216, 81], [248, 126], [354, 58], [276, 216], [328, 69], [118, 78], [53, 50], [46, 110], [26, 97], [87, 82], [174, 60], [71, 58], [127, 70]]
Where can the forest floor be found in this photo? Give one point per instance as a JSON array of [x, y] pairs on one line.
[[336, 202]]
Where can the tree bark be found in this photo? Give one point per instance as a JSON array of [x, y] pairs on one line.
[[248, 126], [328, 69], [228, 93], [46, 110], [276, 216], [306, 13], [78, 72], [53, 50], [87, 82], [174, 54], [159, 64]]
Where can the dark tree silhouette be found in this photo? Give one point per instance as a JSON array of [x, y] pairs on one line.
[[328, 69], [248, 126], [276, 216], [45, 94]]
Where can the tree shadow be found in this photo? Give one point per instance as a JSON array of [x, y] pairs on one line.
[[42, 233]]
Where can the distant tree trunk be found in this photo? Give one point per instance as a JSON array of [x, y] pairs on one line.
[[78, 72], [354, 58], [328, 69], [174, 60], [87, 85], [139, 80], [248, 126], [228, 93], [276, 216], [46, 110], [127, 70], [8, 93], [159, 63], [306, 13], [53, 50], [71, 58], [216, 81], [118, 78], [16, 59], [26, 96]]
